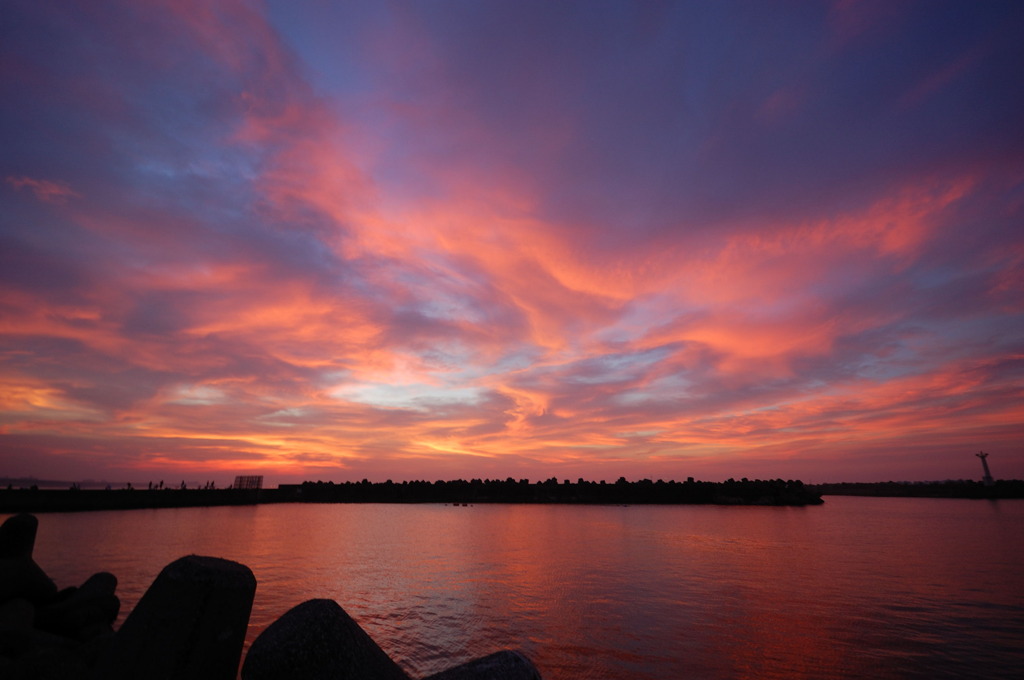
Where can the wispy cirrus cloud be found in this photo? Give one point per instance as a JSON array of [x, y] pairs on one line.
[[400, 242], [45, 190]]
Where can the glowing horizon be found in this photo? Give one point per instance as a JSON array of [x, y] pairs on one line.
[[489, 240]]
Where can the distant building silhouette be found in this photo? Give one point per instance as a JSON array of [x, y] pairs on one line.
[[248, 482], [987, 479]]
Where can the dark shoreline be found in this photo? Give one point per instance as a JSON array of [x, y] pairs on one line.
[[83, 500], [459, 492], [1000, 489]]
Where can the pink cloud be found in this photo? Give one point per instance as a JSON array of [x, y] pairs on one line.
[[413, 282], [45, 190]]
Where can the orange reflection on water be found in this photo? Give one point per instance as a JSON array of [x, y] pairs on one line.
[[856, 588]]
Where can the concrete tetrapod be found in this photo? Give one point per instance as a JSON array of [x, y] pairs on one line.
[[504, 665], [20, 576], [190, 624], [82, 613], [317, 640]]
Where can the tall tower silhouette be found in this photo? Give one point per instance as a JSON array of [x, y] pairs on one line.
[[987, 479]]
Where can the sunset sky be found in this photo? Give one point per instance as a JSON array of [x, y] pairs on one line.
[[432, 240]]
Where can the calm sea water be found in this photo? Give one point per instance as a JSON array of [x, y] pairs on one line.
[[857, 588]]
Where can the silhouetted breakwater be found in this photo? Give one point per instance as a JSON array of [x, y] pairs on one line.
[[645, 491], [73, 500], [1002, 488], [622, 492], [191, 623]]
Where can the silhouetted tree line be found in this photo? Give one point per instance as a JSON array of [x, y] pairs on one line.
[[460, 491], [959, 488], [645, 491]]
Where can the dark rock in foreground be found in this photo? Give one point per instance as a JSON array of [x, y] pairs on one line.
[[20, 576], [317, 640], [191, 623], [45, 634], [18, 536], [83, 613], [504, 665]]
